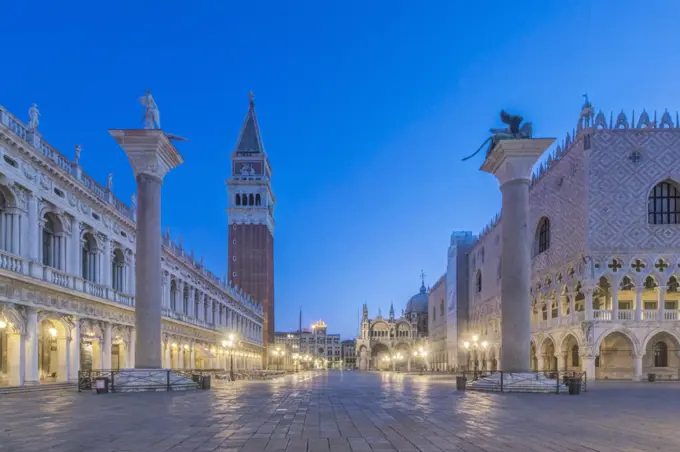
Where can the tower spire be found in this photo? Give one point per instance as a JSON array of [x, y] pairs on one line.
[[391, 310], [250, 140], [422, 281]]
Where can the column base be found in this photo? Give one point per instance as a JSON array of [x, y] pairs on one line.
[[518, 382], [140, 380]]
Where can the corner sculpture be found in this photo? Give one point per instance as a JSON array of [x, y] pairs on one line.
[[513, 132]]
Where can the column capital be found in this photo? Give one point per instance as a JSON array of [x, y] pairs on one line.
[[513, 159], [150, 151]]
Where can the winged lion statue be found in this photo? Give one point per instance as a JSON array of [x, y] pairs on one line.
[[514, 131]]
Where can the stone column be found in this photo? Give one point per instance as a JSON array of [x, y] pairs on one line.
[[131, 350], [615, 304], [106, 347], [74, 365], [588, 301], [588, 366], [16, 352], [64, 357], [638, 303], [511, 161], [637, 367], [34, 237], [31, 344], [152, 155], [661, 300]]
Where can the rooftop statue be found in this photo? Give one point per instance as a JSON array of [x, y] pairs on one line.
[[515, 130], [33, 115]]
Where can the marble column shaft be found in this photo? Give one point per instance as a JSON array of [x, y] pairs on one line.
[[148, 288], [516, 279]]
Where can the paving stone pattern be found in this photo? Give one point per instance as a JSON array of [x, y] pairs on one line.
[[344, 412]]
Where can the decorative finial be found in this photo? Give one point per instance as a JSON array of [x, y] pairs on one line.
[[422, 281], [586, 97], [251, 96], [76, 155], [109, 182]]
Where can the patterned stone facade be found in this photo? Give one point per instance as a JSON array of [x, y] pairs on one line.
[[606, 253]]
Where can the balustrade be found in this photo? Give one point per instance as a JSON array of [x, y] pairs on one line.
[[59, 278], [95, 289], [11, 262], [626, 314], [650, 314], [670, 314], [602, 314]]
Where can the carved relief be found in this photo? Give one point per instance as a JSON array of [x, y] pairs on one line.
[[30, 172], [45, 182]]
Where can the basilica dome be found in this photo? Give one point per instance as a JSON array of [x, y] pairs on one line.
[[418, 303]]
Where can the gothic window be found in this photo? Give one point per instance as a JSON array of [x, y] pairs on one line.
[[660, 354], [185, 299], [663, 206], [173, 294], [478, 281], [89, 258], [3, 209], [543, 235], [196, 303], [251, 200], [574, 356], [257, 200], [441, 308], [117, 270], [586, 142], [238, 199]]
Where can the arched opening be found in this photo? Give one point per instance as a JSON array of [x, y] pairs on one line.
[[478, 281], [661, 355], [118, 271], [542, 236], [89, 258], [602, 297], [53, 243], [379, 353], [173, 294], [238, 199], [548, 355], [533, 357], [53, 351], [197, 311], [258, 201], [616, 357], [663, 205], [185, 299], [572, 362], [251, 200], [9, 222]]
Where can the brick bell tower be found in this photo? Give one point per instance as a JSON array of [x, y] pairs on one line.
[[250, 214]]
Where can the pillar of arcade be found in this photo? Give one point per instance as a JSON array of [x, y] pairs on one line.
[[511, 161], [152, 155]]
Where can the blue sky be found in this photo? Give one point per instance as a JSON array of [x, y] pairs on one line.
[[366, 109]]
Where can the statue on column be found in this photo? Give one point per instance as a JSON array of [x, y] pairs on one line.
[[76, 155], [109, 182], [152, 117], [33, 114], [513, 132]]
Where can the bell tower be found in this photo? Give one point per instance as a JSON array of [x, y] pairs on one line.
[[250, 212]]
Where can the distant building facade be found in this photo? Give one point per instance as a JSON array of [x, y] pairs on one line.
[[381, 339], [437, 318], [315, 343], [349, 354]]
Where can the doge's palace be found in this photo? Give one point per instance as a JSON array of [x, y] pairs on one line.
[[605, 224], [67, 257]]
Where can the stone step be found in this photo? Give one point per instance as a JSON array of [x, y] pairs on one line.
[[37, 388]]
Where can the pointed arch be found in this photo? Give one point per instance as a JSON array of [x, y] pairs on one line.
[[623, 331], [658, 331], [542, 236]]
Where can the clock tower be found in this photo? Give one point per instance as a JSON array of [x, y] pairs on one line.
[[250, 212]]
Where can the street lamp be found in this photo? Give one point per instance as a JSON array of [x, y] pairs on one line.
[[474, 347], [421, 353], [296, 358], [230, 343]]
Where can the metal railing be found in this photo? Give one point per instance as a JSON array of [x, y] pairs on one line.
[[556, 382], [154, 380]]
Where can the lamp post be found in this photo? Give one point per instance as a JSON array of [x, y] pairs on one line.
[[421, 353], [230, 343], [296, 358], [474, 347]]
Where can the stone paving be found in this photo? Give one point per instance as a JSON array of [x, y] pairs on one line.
[[344, 411]]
